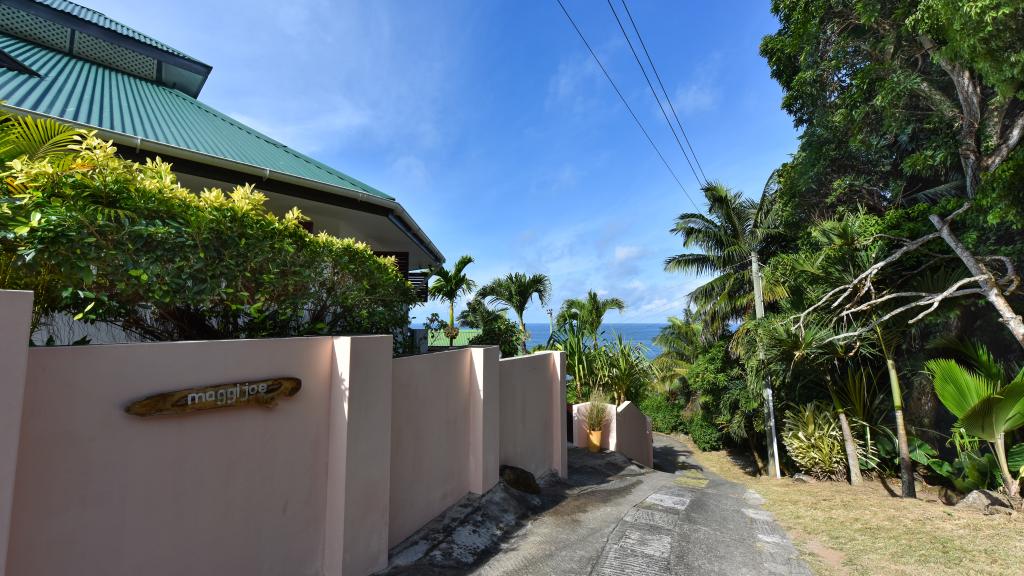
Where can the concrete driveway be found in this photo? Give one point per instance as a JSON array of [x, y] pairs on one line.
[[615, 518]]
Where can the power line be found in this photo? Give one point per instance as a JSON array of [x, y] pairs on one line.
[[654, 92], [626, 104], [665, 92]]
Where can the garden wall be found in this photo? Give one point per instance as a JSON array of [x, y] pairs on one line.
[[530, 408], [324, 482], [429, 438], [626, 430]]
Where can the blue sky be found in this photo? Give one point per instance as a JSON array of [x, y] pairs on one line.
[[492, 125]]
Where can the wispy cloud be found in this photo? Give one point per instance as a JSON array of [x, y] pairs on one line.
[[343, 120], [701, 92], [623, 253]]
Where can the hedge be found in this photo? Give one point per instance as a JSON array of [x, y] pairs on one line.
[[106, 240]]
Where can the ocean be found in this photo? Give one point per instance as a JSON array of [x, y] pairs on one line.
[[638, 333]]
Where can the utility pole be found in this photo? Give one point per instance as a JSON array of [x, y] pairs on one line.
[[773, 446]]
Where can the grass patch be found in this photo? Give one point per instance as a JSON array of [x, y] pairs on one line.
[[841, 529]]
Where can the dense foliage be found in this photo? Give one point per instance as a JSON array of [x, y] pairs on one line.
[[108, 241], [895, 228]]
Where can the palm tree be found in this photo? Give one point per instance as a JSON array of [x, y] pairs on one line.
[[732, 237], [888, 341], [588, 312], [448, 286], [478, 315], [35, 138], [516, 290], [985, 401], [681, 342], [735, 231]]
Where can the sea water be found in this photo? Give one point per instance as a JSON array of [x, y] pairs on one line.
[[639, 333]]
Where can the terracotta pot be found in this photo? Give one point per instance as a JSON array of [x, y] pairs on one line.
[[594, 440]]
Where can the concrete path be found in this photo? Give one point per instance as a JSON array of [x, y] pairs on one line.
[[618, 519]]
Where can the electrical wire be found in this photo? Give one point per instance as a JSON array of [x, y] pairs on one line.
[[626, 104], [665, 92], [654, 92]]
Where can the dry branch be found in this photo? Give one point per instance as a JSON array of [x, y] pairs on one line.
[[849, 301]]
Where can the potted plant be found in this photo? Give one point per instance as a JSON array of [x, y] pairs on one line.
[[594, 414]]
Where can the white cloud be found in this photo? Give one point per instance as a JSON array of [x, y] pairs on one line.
[[624, 253], [310, 134], [701, 93]]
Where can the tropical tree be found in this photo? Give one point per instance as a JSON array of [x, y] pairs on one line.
[[900, 96], [888, 340], [495, 327], [986, 402], [478, 314], [588, 312], [517, 290], [448, 286], [730, 239], [681, 342]]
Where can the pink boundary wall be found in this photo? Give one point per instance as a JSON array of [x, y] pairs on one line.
[[323, 483], [626, 431], [530, 408], [15, 320]]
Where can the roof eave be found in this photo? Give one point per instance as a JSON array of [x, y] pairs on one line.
[[261, 172]]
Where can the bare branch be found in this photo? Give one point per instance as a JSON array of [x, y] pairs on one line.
[[930, 300], [848, 304], [863, 281], [1010, 141]]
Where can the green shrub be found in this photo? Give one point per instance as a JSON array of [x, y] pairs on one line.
[[814, 441], [500, 332], [703, 432], [665, 413], [106, 240]]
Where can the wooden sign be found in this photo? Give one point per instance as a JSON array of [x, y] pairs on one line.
[[260, 393]]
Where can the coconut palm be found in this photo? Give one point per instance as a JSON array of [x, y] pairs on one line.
[[734, 229], [448, 286], [985, 401], [588, 312], [516, 290]]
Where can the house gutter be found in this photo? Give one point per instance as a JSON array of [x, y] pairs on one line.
[[397, 216]]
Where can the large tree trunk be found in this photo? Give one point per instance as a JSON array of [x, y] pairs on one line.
[[988, 283], [851, 450], [906, 464]]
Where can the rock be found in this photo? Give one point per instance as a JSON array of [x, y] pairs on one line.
[[519, 479], [949, 497], [985, 501]]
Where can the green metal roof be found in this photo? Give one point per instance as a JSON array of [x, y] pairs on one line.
[[86, 93], [437, 337], [100, 19]]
